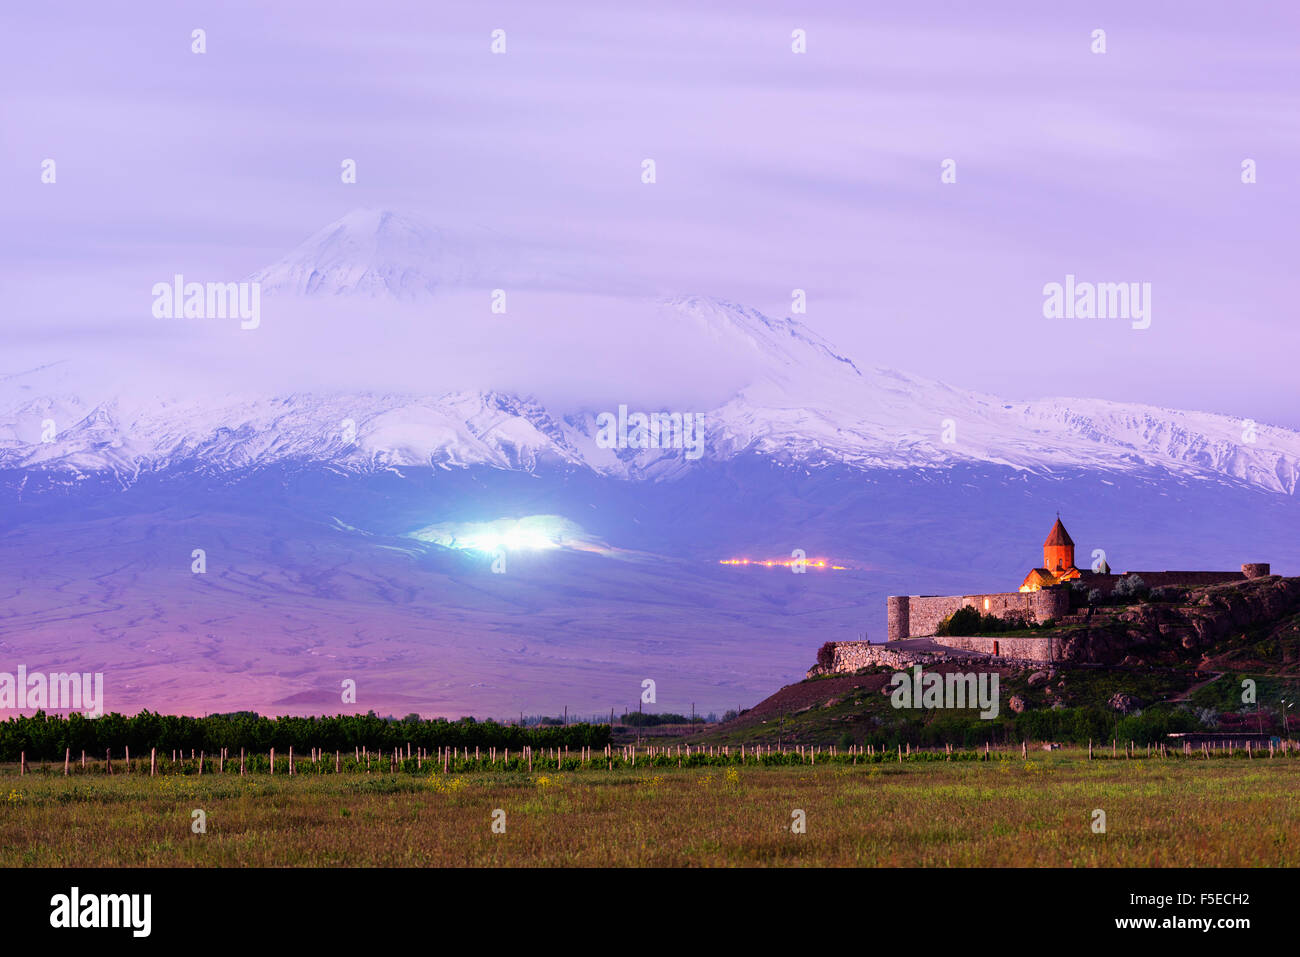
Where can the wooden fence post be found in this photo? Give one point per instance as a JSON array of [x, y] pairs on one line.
[[108, 757], [67, 759], [22, 763], [273, 760], [153, 761]]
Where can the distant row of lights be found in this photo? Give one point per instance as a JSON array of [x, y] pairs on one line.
[[784, 563]]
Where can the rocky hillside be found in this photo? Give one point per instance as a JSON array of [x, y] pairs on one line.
[[1255, 623], [1173, 662]]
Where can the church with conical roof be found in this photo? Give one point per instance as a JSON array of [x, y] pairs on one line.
[[1058, 561]]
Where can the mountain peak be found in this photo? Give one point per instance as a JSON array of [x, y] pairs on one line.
[[368, 252], [780, 344]]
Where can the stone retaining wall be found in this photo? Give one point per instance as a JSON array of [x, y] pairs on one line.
[[849, 656], [1024, 649]]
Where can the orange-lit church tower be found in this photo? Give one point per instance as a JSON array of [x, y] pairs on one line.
[[1058, 561]]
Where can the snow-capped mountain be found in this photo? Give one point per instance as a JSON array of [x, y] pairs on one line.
[[812, 407], [369, 252], [807, 405]]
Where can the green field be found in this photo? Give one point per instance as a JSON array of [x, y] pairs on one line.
[[1006, 811]]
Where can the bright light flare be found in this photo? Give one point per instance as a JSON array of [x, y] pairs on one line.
[[532, 533], [785, 563]]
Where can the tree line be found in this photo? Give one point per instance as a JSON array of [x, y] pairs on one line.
[[46, 737]]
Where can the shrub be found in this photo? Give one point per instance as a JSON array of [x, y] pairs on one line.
[[967, 620], [643, 719], [826, 654], [1150, 727], [1131, 587], [964, 621]]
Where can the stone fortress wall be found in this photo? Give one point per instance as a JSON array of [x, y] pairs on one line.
[[918, 616], [1019, 649], [849, 656], [1106, 583]]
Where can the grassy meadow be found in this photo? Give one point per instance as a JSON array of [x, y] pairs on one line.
[[1008, 811]]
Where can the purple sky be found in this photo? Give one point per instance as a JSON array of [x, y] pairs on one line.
[[775, 170]]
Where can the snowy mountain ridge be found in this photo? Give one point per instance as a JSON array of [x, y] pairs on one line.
[[808, 405], [886, 420]]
